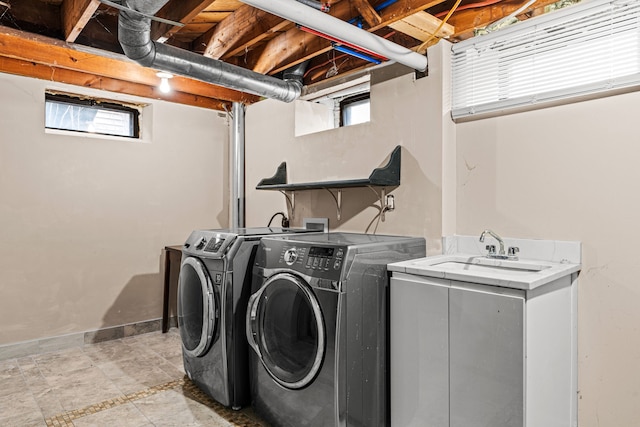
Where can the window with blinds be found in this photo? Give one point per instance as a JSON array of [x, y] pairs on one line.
[[587, 50]]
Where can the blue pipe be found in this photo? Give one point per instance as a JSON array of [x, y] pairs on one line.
[[355, 53], [384, 4], [378, 8]]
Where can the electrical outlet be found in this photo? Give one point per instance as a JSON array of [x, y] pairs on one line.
[[390, 203], [321, 224]]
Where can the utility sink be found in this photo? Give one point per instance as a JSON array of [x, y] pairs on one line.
[[486, 266], [517, 274]]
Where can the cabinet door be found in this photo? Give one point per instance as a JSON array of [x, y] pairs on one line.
[[486, 359], [419, 352]]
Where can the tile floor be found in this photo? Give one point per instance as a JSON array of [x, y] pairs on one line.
[[135, 381]]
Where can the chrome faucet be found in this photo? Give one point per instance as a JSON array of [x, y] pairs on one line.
[[492, 249]]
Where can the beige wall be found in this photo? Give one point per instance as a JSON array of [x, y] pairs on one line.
[[404, 111], [83, 221], [571, 173]]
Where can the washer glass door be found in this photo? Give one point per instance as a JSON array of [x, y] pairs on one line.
[[286, 329], [196, 307]]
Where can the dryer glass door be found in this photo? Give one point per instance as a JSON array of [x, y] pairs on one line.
[[196, 307], [286, 329]]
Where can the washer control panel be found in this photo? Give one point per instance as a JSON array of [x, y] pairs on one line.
[[324, 258], [313, 260]]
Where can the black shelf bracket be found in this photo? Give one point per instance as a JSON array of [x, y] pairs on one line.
[[385, 176]]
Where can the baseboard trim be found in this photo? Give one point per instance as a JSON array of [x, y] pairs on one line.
[[62, 342]]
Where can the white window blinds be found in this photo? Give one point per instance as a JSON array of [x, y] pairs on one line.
[[589, 49]]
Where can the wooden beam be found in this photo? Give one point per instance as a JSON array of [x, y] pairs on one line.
[[295, 46], [42, 50], [288, 49], [243, 28], [422, 26], [76, 78], [466, 21], [75, 15], [367, 12], [183, 11]]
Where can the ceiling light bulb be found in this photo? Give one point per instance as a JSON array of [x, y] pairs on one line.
[[164, 87]]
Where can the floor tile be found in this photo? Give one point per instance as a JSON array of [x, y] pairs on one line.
[[29, 419], [83, 387], [48, 401], [168, 408], [63, 361], [136, 381], [16, 404], [11, 378], [131, 377], [126, 415]]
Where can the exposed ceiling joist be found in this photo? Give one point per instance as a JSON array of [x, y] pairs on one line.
[[466, 21], [75, 16], [367, 12], [76, 78], [295, 46], [58, 55], [243, 28], [183, 12], [422, 26], [228, 30]]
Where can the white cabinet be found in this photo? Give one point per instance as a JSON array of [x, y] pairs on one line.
[[470, 355], [486, 363]]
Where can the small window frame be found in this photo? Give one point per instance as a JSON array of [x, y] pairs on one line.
[[99, 104], [349, 101]]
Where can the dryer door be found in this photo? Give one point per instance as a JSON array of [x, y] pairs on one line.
[[286, 329], [197, 307]]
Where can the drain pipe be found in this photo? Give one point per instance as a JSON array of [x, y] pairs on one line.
[[134, 35], [236, 169]]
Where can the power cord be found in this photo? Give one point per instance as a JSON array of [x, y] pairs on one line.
[[285, 220]]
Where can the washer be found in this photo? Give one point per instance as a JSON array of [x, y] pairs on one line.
[[317, 322], [213, 288]]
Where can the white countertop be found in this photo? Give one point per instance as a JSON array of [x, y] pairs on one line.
[[524, 274]]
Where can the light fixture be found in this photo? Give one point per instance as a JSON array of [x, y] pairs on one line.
[[164, 87]]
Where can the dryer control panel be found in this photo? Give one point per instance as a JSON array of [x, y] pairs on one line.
[[323, 262], [208, 242]]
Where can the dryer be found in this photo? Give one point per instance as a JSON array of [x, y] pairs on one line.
[[213, 288], [317, 324]]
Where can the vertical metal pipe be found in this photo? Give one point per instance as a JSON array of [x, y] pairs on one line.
[[237, 166]]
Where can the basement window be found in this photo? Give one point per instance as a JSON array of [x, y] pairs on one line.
[[355, 109], [333, 107], [91, 115], [583, 51]]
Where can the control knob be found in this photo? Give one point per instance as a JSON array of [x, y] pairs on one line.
[[201, 243], [290, 256]]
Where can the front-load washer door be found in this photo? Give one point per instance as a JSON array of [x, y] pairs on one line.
[[286, 330], [197, 307]]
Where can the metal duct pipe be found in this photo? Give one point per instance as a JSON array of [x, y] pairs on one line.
[[134, 34], [296, 73], [296, 12], [236, 150]]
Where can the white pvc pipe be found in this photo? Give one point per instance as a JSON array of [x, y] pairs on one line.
[[298, 13]]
